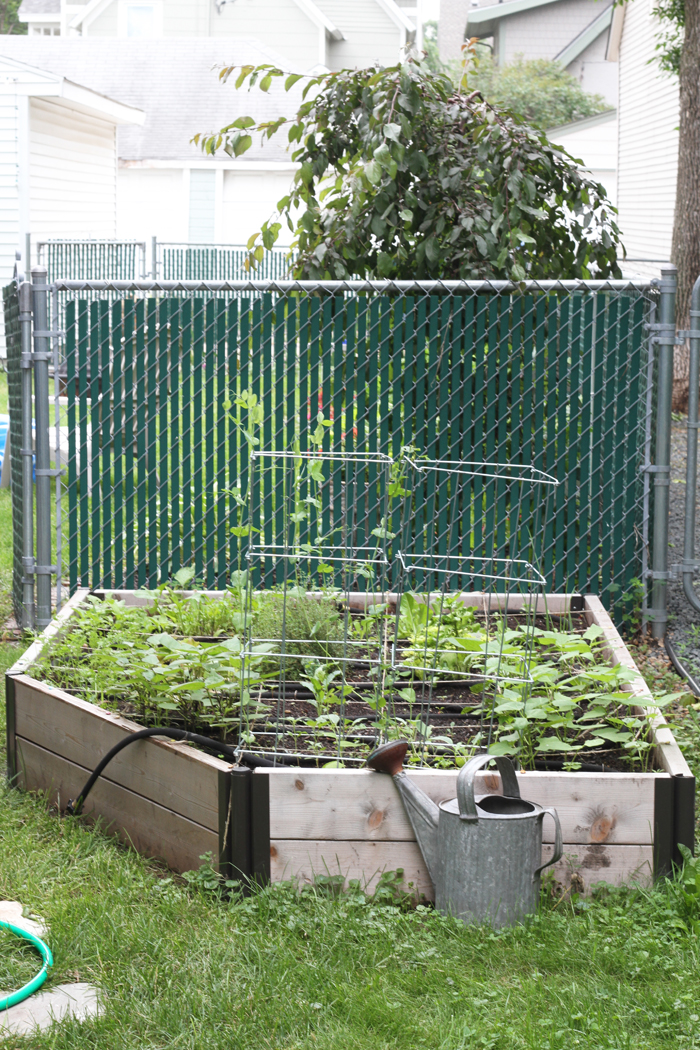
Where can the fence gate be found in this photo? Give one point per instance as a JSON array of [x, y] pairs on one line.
[[149, 449]]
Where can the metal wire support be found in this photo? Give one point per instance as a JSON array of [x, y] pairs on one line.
[[487, 515], [665, 339], [319, 537]]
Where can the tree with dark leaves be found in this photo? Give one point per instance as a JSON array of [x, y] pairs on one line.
[[403, 175]]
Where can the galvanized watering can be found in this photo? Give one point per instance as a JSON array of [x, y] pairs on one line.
[[483, 852]]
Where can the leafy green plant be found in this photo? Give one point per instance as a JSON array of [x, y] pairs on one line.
[[400, 174], [310, 626], [539, 90], [626, 606]]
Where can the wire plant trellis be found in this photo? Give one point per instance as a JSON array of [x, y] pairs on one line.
[[470, 529], [318, 525], [329, 690]]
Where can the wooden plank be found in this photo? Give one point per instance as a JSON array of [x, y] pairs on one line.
[[151, 829], [58, 622], [553, 604], [171, 774], [667, 752], [353, 804], [303, 861]]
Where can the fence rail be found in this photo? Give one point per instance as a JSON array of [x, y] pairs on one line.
[[549, 375]]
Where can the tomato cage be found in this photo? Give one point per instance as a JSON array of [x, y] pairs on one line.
[[316, 638], [368, 613], [469, 591]]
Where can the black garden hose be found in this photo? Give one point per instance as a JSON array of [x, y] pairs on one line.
[[75, 806], [680, 668]]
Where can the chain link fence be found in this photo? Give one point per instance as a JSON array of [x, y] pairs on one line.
[[165, 388], [13, 443]]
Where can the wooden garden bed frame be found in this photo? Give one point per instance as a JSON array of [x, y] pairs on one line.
[[175, 803]]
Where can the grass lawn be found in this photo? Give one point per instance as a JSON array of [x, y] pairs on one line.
[[181, 968]]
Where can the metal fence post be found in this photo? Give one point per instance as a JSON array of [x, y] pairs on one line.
[[154, 258], [25, 320], [665, 339], [41, 357]]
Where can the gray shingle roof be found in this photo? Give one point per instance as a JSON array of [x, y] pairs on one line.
[[175, 82], [39, 7]]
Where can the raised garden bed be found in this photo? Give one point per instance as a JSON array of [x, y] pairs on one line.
[[174, 802]]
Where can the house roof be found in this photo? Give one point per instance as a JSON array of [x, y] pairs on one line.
[[586, 37], [21, 78], [483, 20], [173, 80], [585, 122], [39, 7]]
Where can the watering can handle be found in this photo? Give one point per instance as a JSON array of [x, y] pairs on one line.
[[465, 782], [558, 848]]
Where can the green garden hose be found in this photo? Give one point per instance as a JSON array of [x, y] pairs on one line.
[[36, 982]]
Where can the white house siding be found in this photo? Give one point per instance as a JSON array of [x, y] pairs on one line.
[[594, 73], [106, 23], [371, 34], [544, 31], [158, 201], [187, 17], [152, 202], [594, 143], [287, 29], [648, 139], [249, 199], [72, 173], [9, 195]]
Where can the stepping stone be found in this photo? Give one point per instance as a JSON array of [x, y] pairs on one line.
[[47, 1006], [11, 911], [76, 1001]]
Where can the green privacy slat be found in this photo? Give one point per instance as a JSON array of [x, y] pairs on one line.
[[118, 448], [610, 393], [13, 342], [82, 427], [129, 437], [582, 561], [597, 431], [622, 410], [572, 477], [141, 418], [562, 350], [635, 418], [163, 566], [233, 470], [197, 436], [151, 441], [175, 435], [71, 321], [216, 450], [104, 550], [551, 380], [187, 436]]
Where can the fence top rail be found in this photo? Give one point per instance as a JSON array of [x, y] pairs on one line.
[[435, 287], [90, 240]]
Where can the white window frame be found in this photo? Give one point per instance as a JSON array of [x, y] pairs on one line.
[[123, 17]]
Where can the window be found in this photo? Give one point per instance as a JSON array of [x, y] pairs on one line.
[[44, 30], [140, 19]]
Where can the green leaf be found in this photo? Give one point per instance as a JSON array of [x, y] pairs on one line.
[[291, 80]]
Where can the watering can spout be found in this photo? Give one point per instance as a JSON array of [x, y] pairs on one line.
[[422, 811]]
